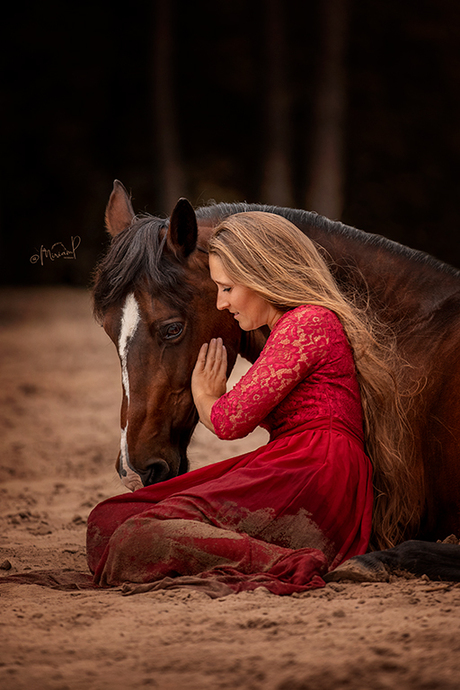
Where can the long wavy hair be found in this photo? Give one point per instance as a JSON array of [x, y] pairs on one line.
[[271, 256]]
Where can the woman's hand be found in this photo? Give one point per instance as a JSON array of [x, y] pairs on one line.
[[209, 378]]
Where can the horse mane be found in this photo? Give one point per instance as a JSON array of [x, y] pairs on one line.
[[136, 257], [310, 218]]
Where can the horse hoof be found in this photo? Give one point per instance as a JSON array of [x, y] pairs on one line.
[[358, 570]]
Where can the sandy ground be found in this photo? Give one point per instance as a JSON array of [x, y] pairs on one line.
[[60, 395]]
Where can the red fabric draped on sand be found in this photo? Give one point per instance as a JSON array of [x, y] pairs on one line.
[[277, 517]]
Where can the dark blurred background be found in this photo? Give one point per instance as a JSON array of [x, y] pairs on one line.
[[347, 107]]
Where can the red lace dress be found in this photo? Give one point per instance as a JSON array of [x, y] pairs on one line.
[[279, 516]]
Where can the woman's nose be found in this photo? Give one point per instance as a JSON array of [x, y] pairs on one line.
[[222, 302]]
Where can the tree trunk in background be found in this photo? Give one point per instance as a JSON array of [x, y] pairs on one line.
[[172, 178], [276, 184], [325, 193]]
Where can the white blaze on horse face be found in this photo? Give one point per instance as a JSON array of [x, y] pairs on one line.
[[129, 322], [128, 477]]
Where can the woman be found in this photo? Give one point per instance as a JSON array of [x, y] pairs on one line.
[[284, 515]]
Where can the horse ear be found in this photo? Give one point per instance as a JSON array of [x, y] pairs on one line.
[[119, 213], [183, 229]]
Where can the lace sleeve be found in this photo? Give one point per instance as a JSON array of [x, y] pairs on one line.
[[297, 345]]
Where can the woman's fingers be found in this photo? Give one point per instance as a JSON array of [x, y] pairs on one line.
[[214, 355], [211, 354], [209, 377], [212, 359], [223, 361], [201, 359]]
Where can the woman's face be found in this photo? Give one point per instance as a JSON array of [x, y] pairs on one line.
[[249, 309]]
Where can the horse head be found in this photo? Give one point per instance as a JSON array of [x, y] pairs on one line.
[[155, 299]]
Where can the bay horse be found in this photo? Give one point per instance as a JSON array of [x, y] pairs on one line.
[[154, 297]]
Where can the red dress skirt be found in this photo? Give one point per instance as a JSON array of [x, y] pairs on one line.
[[279, 517]]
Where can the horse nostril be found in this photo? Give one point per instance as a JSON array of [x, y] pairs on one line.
[[155, 471]]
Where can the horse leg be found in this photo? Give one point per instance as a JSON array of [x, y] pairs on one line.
[[436, 561]]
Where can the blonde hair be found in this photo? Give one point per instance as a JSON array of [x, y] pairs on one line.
[[271, 256]]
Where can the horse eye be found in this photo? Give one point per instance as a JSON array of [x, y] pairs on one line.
[[172, 330]]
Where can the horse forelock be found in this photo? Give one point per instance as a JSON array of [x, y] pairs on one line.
[[136, 259]]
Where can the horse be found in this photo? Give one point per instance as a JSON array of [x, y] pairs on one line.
[[153, 294]]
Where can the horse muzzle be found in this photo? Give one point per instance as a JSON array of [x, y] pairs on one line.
[[156, 470]]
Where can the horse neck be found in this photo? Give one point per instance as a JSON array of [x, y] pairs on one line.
[[252, 343], [399, 281]]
